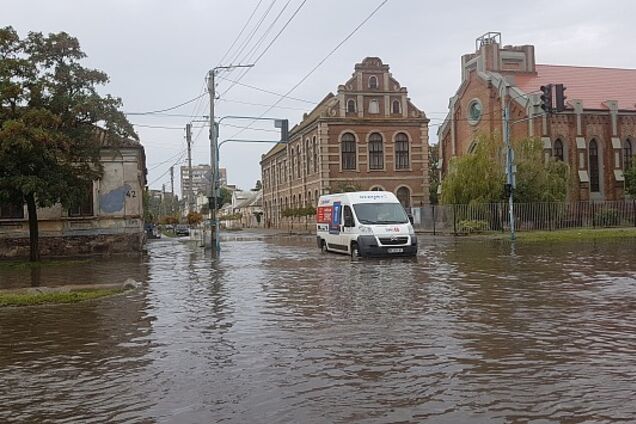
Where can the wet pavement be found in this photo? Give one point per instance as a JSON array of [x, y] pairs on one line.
[[276, 332]]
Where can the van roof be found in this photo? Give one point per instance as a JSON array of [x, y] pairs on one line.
[[359, 197]]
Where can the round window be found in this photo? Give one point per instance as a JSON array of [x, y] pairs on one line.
[[474, 111]]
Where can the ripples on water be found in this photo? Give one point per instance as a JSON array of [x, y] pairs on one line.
[[275, 332]]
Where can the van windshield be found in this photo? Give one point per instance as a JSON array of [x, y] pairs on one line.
[[380, 213]]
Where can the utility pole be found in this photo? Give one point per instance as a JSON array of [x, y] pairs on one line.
[[510, 167], [214, 159], [171, 190], [163, 199], [213, 155], [190, 194]]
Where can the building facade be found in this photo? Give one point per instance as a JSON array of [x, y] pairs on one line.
[[595, 135], [368, 136], [108, 220]]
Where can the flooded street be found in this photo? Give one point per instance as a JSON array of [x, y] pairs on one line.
[[276, 332]]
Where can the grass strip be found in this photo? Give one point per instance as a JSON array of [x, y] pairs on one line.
[[41, 298]]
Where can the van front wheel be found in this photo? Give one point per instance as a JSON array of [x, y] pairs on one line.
[[323, 246], [355, 251]]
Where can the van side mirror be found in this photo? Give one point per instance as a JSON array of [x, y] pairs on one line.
[[349, 222], [410, 218]]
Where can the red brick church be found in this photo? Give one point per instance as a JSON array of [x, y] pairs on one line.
[[595, 135]]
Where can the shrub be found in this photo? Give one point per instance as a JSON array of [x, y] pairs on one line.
[[472, 226]]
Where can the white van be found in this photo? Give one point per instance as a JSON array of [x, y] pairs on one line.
[[364, 223]]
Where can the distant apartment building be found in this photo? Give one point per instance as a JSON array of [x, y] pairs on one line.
[[368, 136], [200, 181], [595, 135]]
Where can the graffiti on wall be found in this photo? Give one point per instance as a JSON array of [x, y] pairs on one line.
[[114, 200]]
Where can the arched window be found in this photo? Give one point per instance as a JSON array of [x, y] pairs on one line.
[[315, 154], [395, 106], [348, 151], [374, 107], [294, 201], [308, 200], [373, 82], [376, 151], [404, 196], [558, 150], [298, 161], [316, 197], [377, 188], [351, 106], [401, 151], [594, 167], [307, 157], [629, 155]]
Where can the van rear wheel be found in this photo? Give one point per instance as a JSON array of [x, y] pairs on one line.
[[323, 246]]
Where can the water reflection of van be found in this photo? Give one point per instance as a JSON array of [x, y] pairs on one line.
[[364, 223]]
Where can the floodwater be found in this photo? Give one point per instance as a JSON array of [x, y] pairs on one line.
[[276, 332]]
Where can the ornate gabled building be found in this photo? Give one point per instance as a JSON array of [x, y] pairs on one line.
[[368, 136], [595, 135]]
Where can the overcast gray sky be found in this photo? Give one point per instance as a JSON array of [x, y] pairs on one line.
[[157, 54]]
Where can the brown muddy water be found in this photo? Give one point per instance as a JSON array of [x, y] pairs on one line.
[[276, 332]]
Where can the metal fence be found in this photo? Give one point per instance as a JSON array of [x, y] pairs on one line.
[[462, 219]]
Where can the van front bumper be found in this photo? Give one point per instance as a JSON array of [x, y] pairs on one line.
[[368, 246]]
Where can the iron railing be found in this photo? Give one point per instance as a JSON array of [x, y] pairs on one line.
[[548, 216]]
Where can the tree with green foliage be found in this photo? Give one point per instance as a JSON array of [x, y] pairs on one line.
[[630, 180], [476, 177], [479, 177], [50, 117]]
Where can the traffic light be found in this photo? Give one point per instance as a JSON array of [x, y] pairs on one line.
[[283, 124], [560, 97], [546, 98]]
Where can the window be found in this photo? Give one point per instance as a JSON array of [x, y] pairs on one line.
[[83, 206], [404, 196], [594, 170], [347, 215], [374, 107], [307, 157], [298, 161], [348, 151], [11, 211], [315, 155], [316, 196], [373, 82], [377, 188], [558, 150], [401, 151], [474, 111], [629, 155], [351, 106], [395, 107], [376, 152]]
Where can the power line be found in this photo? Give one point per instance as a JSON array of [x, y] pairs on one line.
[[261, 104], [240, 32], [323, 60], [267, 91], [167, 109], [253, 33], [271, 43], [168, 170], [157, 165]]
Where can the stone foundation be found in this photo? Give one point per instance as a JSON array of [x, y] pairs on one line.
[[51, 247]]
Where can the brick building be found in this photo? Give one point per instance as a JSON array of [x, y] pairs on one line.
[[595, 135], [368, 135]]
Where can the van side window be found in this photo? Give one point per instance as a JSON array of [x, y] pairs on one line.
[[347, 215]]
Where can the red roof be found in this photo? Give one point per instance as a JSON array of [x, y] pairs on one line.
[[593, 86]]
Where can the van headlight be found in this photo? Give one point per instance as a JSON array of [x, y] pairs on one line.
[[365, 230]]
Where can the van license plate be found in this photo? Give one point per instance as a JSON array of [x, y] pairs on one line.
[[396, 250]]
